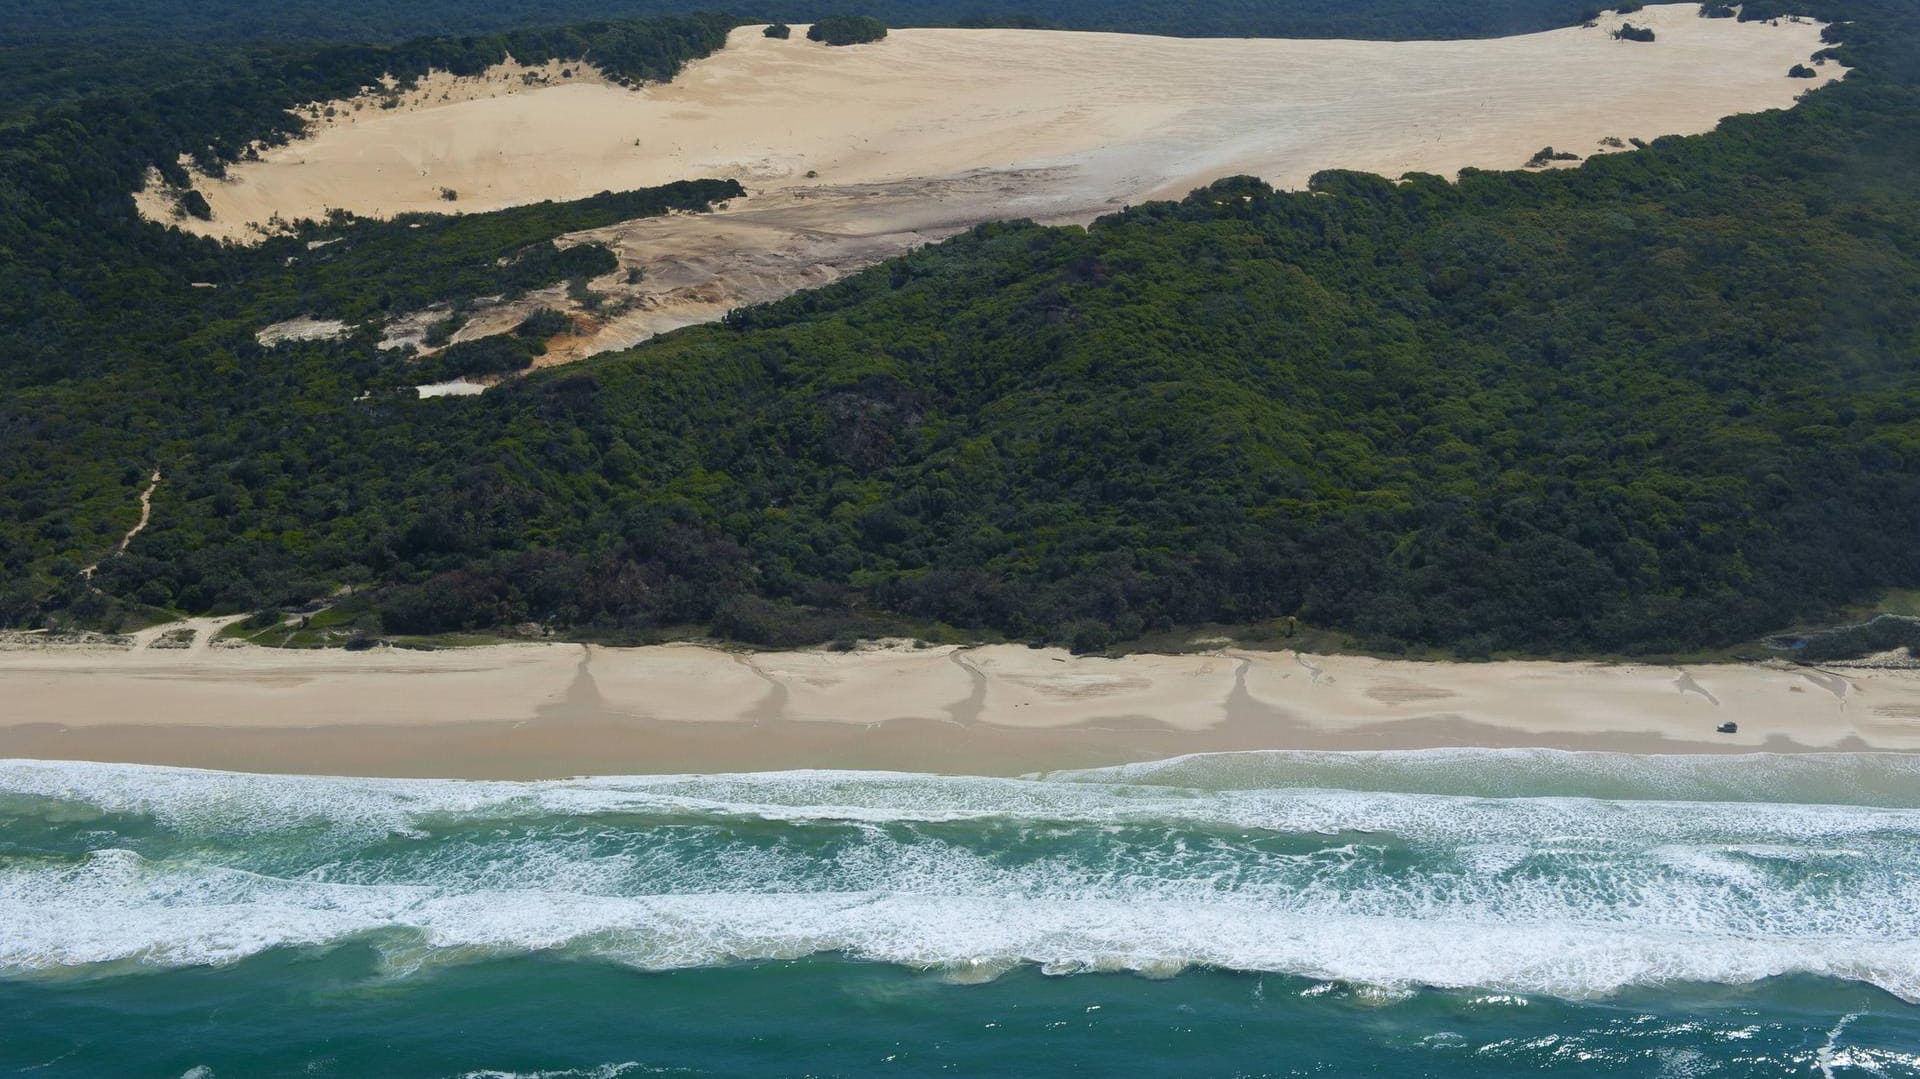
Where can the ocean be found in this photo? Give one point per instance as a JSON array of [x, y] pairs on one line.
[[1444, 912]]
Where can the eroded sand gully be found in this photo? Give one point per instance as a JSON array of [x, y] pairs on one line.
[[853, 155]]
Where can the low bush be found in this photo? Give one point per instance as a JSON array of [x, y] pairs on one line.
[[847, 30]]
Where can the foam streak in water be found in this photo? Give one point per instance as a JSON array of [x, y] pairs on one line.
[[1147, 868]]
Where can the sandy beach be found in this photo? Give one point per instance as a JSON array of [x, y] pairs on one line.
[[545, 710], [853, 155]]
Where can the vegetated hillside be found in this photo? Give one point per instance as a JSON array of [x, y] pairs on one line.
[[87, 280], [1667, 399], [110, 350], [120, 70]]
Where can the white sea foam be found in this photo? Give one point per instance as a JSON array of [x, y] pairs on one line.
[[949, 908], [1884, 779], [603, 1071], [220, 802], [1562, 896]]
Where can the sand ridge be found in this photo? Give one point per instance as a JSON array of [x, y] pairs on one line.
[[856, 154]]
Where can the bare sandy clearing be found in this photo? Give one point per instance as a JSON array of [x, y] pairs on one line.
[[853, 155], [304, 328]]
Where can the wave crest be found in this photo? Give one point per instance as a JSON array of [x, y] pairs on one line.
[[1136, 869]]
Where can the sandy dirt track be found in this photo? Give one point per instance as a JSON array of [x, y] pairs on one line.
[[931, 131]]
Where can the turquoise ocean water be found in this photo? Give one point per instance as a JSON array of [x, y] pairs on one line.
[[1458, 912]]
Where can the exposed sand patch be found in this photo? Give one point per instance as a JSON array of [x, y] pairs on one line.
[[410, 330], [931, 131], [556, 709], [191, 634], [304, 328], [458, 387], [441, 88], [156, 201]]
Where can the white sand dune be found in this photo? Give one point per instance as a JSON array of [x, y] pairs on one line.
[[853, 155]]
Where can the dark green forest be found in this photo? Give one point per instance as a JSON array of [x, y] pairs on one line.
[[1662, 401], [846, 30]]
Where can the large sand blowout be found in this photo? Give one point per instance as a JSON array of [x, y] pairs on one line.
[[855, 154]]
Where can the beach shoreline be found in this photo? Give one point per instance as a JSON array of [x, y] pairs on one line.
[[550, 710]]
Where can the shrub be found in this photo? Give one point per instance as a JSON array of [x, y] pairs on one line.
[[1087, 635], [440, 331], [754, 620], [486, 356], [580, 291], [1630, 32], [1884, 634], [780, 30], [1802, 71], [847, 30], [195, 205], [542, 324]]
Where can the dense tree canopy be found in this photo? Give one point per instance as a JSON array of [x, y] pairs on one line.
[[1665, 399]]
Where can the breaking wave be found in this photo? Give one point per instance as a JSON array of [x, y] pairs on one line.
[[1514, 871]]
